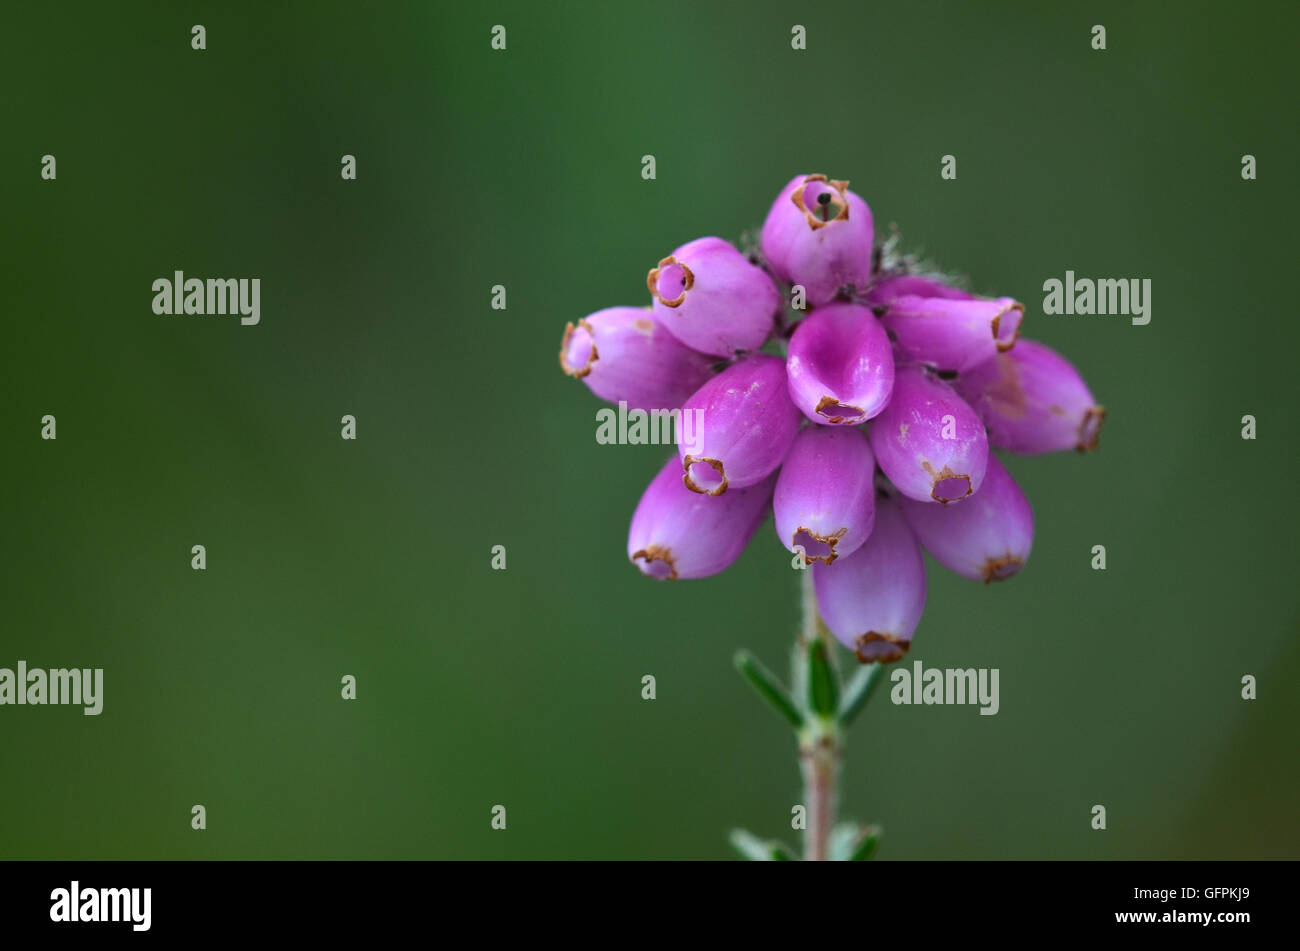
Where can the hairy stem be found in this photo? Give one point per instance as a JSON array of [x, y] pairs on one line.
[[820, 766], [820, 744]]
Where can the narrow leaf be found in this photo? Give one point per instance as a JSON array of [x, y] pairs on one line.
[[768, 687], [751, 847], [780, 852], [859, 691], [823, 689], [866, 846]]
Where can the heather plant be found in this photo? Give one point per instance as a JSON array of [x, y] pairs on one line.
[[855, 394]]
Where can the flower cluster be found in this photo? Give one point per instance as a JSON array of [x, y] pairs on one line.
[[868, 432]]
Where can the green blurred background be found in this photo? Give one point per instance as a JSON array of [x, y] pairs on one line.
[[372, 558]]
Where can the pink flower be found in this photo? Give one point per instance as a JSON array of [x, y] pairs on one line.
[[869, 435], [710, 297], [840, 365], [818, 234]]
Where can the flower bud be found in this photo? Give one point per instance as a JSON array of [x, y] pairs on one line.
[[1033, 400], [819, 234], [840, 365], [676, 533], [928, 442], [708, 296], [872, 600], [987, 537], [623, 355], [825, 500], [946, 331], [737, 427]]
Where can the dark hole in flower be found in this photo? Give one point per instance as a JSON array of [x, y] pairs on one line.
[[821, 202], [947, 374]]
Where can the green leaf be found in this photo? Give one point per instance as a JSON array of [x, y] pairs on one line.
[[859, 691], [866, 845], [768, 687], [748, 845], [823, 688], [844, 837], [854, 842], [780, 852], [755, 849]]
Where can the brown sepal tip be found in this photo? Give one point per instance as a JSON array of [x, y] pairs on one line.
[[689, 461], [901, 645], [842, 204], [582, 371], [1005, 345], [993, 568], [942, 476], [826, 401], [828, 540], [1090, 428], [652, 280], [657, 553]]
